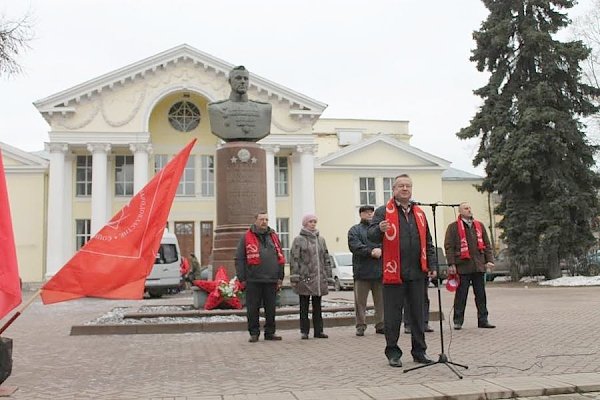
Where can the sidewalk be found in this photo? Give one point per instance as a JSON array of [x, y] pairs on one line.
[[546, 342]]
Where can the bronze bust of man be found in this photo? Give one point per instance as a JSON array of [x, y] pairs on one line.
[[237, 118]]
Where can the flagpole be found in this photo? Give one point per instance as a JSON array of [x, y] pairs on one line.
[[16, 315]]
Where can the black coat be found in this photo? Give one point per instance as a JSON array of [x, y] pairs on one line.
[[410, 243], [268, 270], [364, 267]]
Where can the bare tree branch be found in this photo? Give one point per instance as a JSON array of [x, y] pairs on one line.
[[587, 29], [14, 39]]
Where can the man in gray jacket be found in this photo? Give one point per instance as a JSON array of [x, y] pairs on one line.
[[259, 263], [366, 268]]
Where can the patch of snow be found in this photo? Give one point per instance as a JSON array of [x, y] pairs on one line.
[[573, 281], [115, 316], [530, 279]]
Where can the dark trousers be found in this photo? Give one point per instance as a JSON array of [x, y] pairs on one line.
[[257, 294], [477, 279], [393, 305], [316, 314], [407, 323]]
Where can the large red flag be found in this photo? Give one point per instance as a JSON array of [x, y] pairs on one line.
[[10, 286], [114, 264]]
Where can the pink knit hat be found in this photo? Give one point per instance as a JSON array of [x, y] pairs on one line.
[[307, 218]]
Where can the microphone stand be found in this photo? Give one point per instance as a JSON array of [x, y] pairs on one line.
[[443, 359]]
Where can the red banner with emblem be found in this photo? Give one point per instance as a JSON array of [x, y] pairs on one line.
[[115, 262]]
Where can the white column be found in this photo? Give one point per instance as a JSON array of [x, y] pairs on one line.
[[140, 151], [303, 174], [271, 205], [99, 185], [297, 199], [55, 257], [69, 224], [307, 169]]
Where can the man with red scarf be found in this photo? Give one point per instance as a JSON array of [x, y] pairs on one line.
[[469, 253], [259, 263], [408, 257]]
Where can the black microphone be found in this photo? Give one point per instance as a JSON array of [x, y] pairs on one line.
[[436, 204], [420, 203]]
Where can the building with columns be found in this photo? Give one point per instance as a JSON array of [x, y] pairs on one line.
[[109, 135]]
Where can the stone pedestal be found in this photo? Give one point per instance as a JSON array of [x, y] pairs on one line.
[[241, 193], [287, 297]]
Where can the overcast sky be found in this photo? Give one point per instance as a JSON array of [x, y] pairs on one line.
[[396, 59]]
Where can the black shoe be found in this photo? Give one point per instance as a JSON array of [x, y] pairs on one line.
[[304, 336], [395, 362], [428, 328], [422, 359], [458, 327], [272, 337], [253, 338], [380, 331], [486, 325], [321, 335], [360, 331], [407, 330]]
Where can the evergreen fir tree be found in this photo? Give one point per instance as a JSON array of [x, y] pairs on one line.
[[535, 153]]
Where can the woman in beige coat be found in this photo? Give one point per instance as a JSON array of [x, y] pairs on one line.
[[309, 266]]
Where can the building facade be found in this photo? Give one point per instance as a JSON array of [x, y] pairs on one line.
[[110, 135]]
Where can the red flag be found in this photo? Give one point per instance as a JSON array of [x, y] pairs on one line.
[[10, 285], [114, 264]]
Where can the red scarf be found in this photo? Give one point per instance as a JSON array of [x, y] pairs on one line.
[[462, 235], [391, 243], [252, 246]]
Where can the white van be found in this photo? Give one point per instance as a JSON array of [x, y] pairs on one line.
[[166, 273]]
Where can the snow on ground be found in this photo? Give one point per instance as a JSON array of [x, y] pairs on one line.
[[573, 281], [563, 281]]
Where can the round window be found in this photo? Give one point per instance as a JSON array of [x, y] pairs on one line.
[[184, 116]]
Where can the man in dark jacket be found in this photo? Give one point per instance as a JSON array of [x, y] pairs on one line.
[[259, 263], [366, 268], [469, 253], [408, 256]]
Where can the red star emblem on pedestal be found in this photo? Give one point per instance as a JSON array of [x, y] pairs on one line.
[[215, 296]]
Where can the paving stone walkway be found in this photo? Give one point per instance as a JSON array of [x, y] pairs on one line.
[[547, 343]]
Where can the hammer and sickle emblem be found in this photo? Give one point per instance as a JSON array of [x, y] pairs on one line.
[[391, 267], [390, 234]]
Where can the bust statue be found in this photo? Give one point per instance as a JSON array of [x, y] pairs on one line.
[[237, 118]]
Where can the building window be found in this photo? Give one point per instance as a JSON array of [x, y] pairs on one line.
[[123, 175], [160, 160], [207, 174], [82, 232], [281, 176], [184, 116], [283, 230], [83, 176], [367, 191], [387, 188], [187, 183]]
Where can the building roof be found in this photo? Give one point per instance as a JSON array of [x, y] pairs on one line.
[[59, 102], [423, 160], [455, 174], [22, 161]]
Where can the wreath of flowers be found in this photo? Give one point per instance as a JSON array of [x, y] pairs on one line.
[[222, 292]]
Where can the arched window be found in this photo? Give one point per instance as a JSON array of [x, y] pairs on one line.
[[184, 116]]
